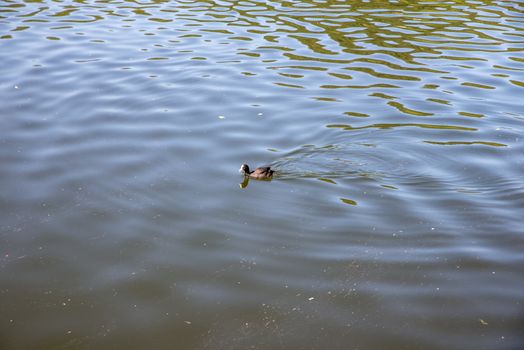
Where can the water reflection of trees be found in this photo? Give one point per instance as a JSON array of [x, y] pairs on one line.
[[404, 30]]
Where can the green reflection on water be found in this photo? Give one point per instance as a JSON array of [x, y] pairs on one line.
[[406, 110], [327, 180], [348, 201], [453, 143], [20, 28], [356, 114], [476, 85], [473, 115], [398, 125], [517, 83], [64, 13], [437, 100]]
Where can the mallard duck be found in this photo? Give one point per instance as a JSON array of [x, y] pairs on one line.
[[262, 173]]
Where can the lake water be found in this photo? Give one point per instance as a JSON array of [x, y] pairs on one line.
[[395, 218]]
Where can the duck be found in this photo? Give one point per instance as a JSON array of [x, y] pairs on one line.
[[261, 173]]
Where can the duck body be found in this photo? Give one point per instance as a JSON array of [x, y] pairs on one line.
[[262, 173]]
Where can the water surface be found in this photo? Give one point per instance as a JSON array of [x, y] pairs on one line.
[[394, 220]]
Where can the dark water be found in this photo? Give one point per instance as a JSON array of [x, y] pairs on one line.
[[395, 220]]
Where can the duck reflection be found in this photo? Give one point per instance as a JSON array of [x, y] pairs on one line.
[[244, 183]]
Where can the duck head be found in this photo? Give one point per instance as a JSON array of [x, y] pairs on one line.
[[244, 169]]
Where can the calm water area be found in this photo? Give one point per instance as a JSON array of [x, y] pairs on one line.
[[395, 219]]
